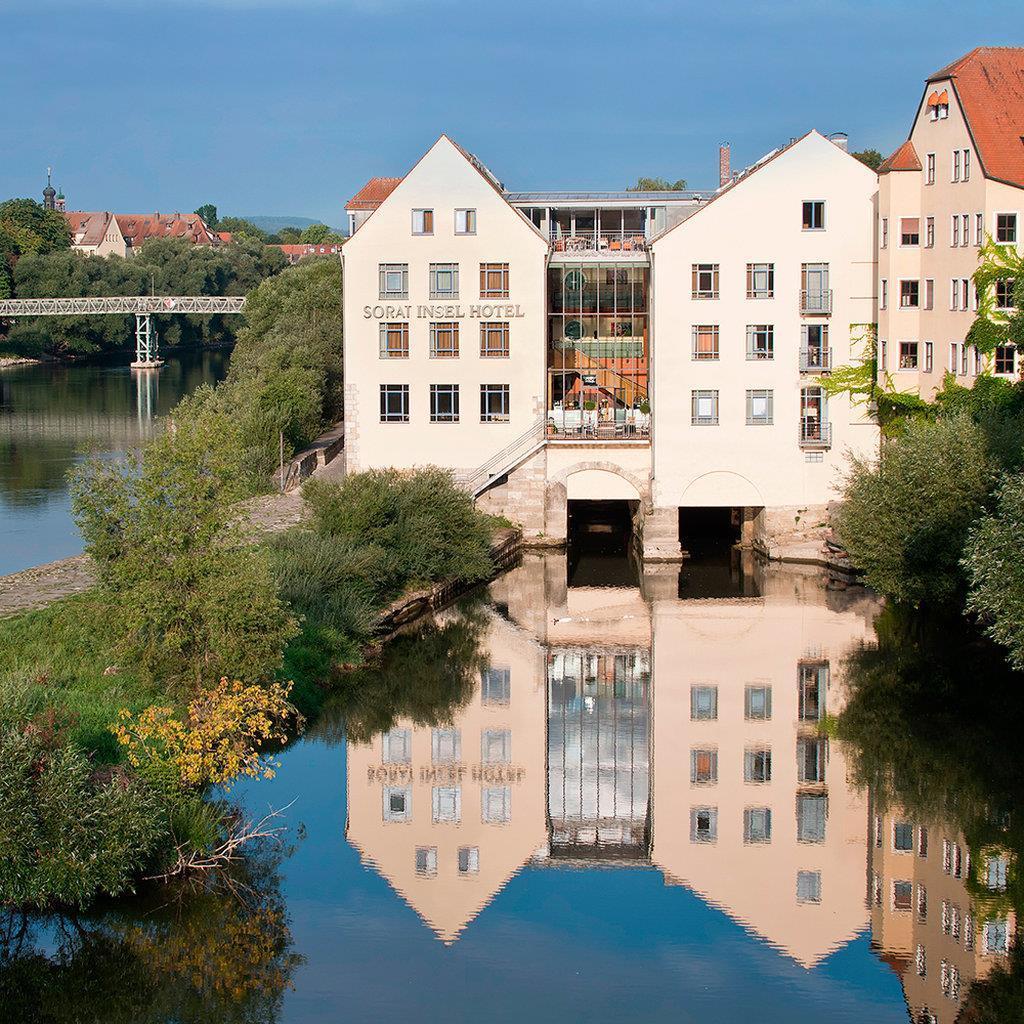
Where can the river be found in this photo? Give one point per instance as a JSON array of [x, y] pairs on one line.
[[52, 415], [597, 792]]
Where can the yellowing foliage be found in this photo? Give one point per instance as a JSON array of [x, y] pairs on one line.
[[220, 739]]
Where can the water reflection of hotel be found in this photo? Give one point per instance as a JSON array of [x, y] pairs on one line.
[[628, 726]]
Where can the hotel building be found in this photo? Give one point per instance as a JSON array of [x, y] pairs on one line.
[[661, 349], [957, 181]]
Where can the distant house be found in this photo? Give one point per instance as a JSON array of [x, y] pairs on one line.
[[367, 199], [104, 234], [295, 252]]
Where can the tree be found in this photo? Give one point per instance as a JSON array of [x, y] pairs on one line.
[[289, 236], [1001, 268], [209, 214], [319, 234], [657, 185], [869, 157], [905, 517], [238, 226], [26, 228]]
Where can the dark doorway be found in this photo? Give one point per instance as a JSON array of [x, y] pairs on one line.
[[714, 566], [601, 549]]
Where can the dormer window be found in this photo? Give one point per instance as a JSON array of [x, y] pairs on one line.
[[938, 105]]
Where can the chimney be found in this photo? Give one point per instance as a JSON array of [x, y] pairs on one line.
[[724, 174]]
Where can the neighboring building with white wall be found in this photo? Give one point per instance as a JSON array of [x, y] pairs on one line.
[[541, 345], [956, 181]]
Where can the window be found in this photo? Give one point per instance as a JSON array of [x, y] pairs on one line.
[[963, 360], [922, 841], [908, 355], [968, 931], [397, 747], [979, 228], [929, 174], [422, 222], [444, 403], [995, 936], [703, 767], [909, 294], [1005, 358], [495, 686], [929, 232], [810, 759], [704, 412], [902, 836], [808, 887], [465, 222], [947, 855], [957, 860], [922, 903], [394, 341], [760, 341], [967, 165], [757, 703], [902, 895], [1006, 227], [955, 175], [921, 962], [394, 280], [705, 280], [757, 765], [910, 230], [813, 683], [445, 746], [954, 230], [995, 873], [703, 824], [954, 357], [813, 214], [965, 229], [494, 403], [705, 341], [394, 403], [811, 815], [883, 354], [493, 280], [444, 280], [447, 801], [883, 294], [759, 407], [704, 703], [929, 293], [398, 803], [496, 805], [879, 832], [760, 280], [426, 860], [1004, 293], [757, 825], [444, 340], [876, 889], [494, 340], [883, 233], [496, 746], [469, 860]]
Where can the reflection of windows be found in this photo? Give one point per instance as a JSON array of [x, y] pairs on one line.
[[757, 825], [469, 860], [811, 814], [922, 903], [397, 803], [995, 936], [704, 702], [497, 804], [808, 887], [703, 824], [757, 702], [995, 873], [810, 759], [397, 746], [495, 685], [813, 684], [426, 860], [921, 962], [922, 841], [705, 280], [496, 746], [445, 745], [902, 895], [902, 836], [703, 766], [757, 765], [447, 802]]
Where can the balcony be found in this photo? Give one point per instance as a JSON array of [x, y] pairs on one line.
[[815, 433], [604, 242], [620, 424], [816, 303], [815, 360]]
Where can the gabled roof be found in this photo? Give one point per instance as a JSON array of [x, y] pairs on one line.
[[989, 82], [138, 227], [372, 194], [904, 159], [87, 226]]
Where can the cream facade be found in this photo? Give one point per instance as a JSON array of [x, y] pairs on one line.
[[942, 194]]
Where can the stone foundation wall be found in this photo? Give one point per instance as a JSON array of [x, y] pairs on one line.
[[521, 497], [792, 532]]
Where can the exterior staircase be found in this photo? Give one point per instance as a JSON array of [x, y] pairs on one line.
[[503, 462]]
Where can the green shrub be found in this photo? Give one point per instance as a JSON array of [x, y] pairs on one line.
[[994, 564], [68, 833], [905, 517]]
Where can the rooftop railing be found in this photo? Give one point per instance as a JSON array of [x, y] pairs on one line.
[[599, 241]]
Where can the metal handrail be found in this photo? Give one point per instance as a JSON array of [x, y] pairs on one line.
[[815, 301], [822, 359], [501, 461], [815, 433]]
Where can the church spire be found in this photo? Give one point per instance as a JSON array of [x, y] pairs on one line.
[[49, 193]]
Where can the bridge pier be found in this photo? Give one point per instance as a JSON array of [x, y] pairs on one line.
[[147, 344]]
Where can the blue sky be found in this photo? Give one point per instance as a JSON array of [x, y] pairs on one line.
[[287, 106]]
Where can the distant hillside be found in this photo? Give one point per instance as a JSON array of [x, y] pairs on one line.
[[272, 224]]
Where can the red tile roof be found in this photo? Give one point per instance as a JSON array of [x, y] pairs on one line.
[[989, 82], [372, 194], [904, 159], [138, 227]]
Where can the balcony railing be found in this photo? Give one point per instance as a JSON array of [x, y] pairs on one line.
[[595, 425], [816, 302], [599, 241], [815, 360], [815, 432]]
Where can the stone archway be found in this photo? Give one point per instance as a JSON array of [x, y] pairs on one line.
[[595, 480]]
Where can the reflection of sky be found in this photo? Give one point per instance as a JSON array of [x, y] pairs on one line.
[[555, 944]]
